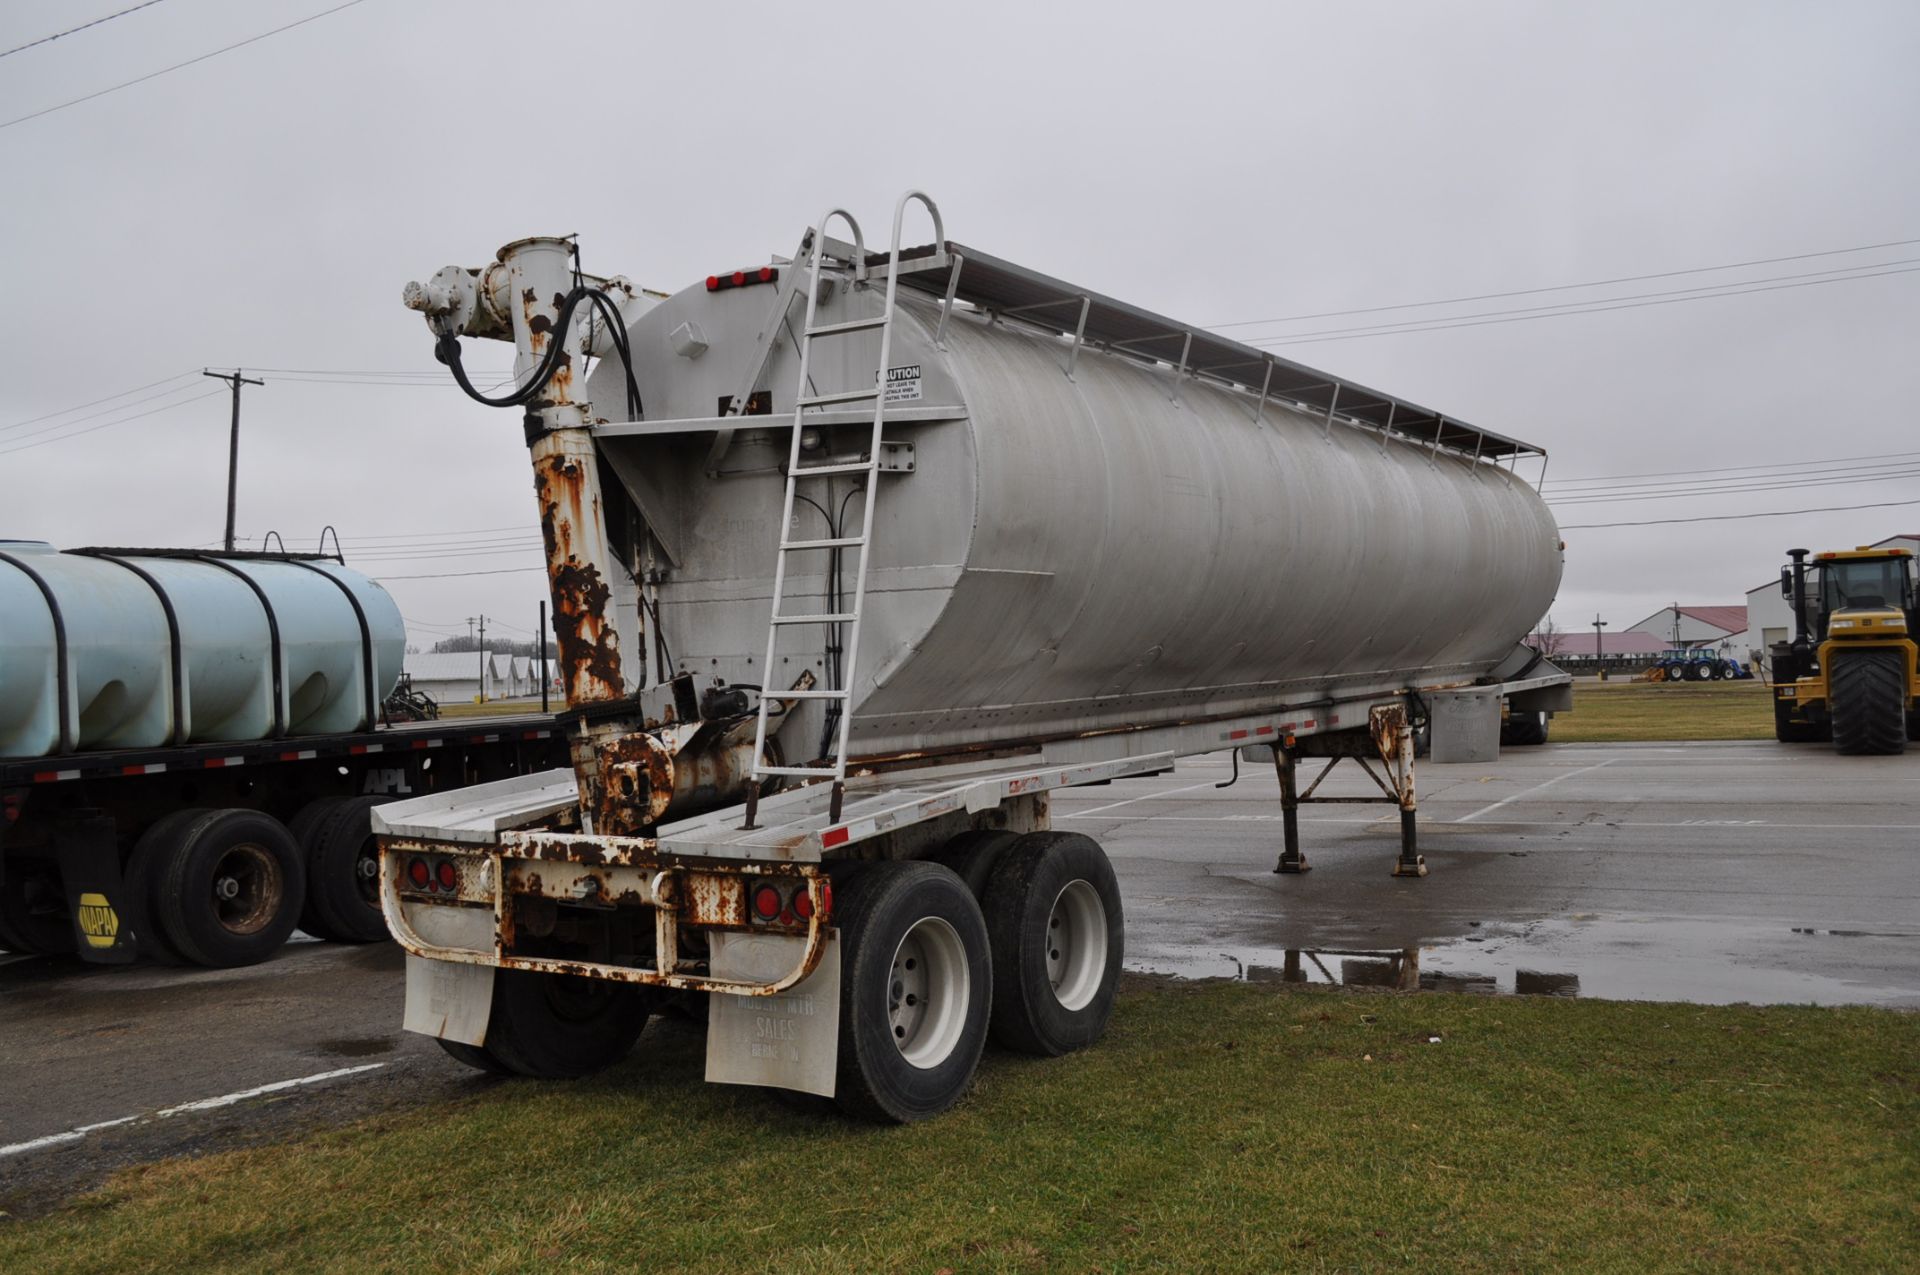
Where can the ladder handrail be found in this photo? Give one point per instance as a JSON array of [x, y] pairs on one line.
[[852, 616]]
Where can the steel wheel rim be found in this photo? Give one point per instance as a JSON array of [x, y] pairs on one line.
[[366, 873], [928, 991], [1076, 945], [246, 888]]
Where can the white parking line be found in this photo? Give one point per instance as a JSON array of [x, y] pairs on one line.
[[1528, 792], [202, 1104]]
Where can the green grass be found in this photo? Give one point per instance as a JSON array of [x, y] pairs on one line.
[[1615, 711], [1220, 1126]]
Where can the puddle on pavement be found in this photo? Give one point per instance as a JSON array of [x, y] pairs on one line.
[[1608, 958]]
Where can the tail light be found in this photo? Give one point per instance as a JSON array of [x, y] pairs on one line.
[[419, 873], [448, 875], [741, 278], [803, 903], [766, 901]]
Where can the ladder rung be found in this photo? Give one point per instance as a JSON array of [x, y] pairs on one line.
[[841, 467], [831, 617], [852, 325], [843, 396], [819, 772], [844, 542], [813, 694]]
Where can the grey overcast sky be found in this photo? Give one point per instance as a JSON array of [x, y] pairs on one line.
[[1217, 162]]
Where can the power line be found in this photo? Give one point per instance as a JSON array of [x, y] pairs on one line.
[[1629, 497], [57, 426], [1568, 287], [109, 424], [1728, 469], [452, 575], [34, 420], [57, 35], [1771, 513], [1571, 308], [154, 75]]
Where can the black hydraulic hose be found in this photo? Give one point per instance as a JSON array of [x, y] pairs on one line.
[[446, 349]]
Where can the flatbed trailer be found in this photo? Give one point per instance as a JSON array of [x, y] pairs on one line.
[[234, 843]]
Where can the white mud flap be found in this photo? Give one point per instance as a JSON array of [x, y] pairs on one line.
[[448, 999], [789, 1041]]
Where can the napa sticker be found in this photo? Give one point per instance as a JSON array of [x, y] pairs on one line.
[[99, 924], [903, 383]]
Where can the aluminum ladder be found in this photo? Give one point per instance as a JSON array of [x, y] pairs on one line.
[[876, 392]]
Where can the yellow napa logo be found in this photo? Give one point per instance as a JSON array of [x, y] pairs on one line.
[[99, 923]]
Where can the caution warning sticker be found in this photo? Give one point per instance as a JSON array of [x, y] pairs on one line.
[[903, 383]]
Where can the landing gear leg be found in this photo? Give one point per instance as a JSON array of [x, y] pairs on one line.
[[1393, 735], [1291, 860]]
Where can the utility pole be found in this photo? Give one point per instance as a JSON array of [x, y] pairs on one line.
[[1676, 624], [483, 659], [540, 638], [1598, 624], [233, 442]]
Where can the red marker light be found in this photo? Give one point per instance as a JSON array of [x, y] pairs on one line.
[[766, 274], [713, 283], [739, 277], [418, 874], [766, 903]]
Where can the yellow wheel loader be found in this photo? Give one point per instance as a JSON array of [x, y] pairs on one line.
[[1850, 673]]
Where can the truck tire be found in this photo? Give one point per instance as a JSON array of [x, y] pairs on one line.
[[343, 875], [971, 856], [1057, 932], [1788, 731], [145, 873], [1523, 730], [916, 989], [478, 1057], [305, 822], [230, 887], [561, 1026], [1869, 690], [33, 909]]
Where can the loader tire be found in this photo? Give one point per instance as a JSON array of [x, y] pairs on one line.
[[1869, 691], [1788, 731]]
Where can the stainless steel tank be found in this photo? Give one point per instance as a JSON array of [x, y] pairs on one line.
[[1055, 553], [145, 649]]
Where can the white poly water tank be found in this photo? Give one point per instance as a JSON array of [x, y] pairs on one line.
[[149, 648]]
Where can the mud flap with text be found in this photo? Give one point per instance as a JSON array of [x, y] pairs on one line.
[[789, 1041], [449, 999]]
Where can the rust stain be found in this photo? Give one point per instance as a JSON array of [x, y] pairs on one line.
[[715, 899], [583, 629]]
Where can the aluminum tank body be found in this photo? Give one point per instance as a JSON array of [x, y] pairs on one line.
[[1066, 554], [113, 649]]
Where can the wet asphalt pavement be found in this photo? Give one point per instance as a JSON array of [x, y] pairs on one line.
[[1710, 872]]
